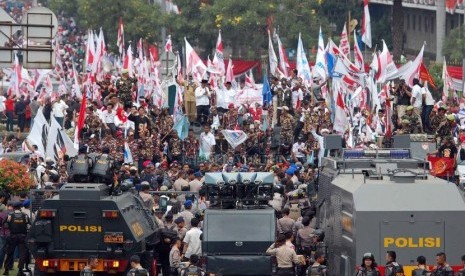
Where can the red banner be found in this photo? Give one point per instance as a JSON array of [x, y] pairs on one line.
[[441, 166]]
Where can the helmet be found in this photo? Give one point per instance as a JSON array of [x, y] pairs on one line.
[[126, 185], [319, 234], [368, 255]]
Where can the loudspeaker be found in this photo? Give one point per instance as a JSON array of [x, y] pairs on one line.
[[420, 149], [333, 142], [401, 141]]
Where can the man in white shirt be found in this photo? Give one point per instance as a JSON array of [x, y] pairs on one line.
[[298, 150], [59, 109], [427, 108], [417, 98], [108, 119], [202, 100], [192, 242], [207, 142]]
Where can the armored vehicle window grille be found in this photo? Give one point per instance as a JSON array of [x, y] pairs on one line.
[[37, 198], [336, 235]]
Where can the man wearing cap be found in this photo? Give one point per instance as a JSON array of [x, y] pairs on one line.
[[287, 125], [187, 214], [180, 227], [438, 119], [202, 101], [412, 117], [147, 198], [125, 86], [445, 128], [195, 184]]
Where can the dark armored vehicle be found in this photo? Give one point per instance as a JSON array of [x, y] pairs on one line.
[[84, 220], [240, 227]]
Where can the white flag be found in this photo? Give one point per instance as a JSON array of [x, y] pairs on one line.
[[302, 63], [273, 57], [366, 27], [234, 137]]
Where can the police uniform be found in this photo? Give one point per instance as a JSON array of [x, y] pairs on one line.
[[80, 167], [192, 270], [317, 270], [18, 223], [443, 270], [364, 272], [101, 170]]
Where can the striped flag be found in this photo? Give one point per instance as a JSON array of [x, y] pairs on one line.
[[120, 41], [366, 26], [127, 154], [344, 43]]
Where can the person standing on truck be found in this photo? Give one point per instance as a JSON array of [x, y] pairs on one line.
[[392, 268], [18, 223], [136, 268], [422, 268], [318, 269], [192, 242], [368, 266], [285, 256], [92, 263], [442, 268]]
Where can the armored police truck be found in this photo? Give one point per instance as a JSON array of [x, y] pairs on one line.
[[240, 227], [84, 220], [379, 200]]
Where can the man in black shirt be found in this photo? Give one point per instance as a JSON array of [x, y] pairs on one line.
[[403, 94], [447, 149], [141, 122]]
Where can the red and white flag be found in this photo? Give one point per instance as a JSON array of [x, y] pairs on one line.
[[366, 27], [447, 81], [283, 61], [451, 5], [249, 80], [358, 56], [127, 64], [16, 78], [179, 68], [90, 51], [229, 71], [168, 45], [414, 68], [344, 43], [272, 56], [80, 123], [120, 41], [340, 117], [218, 58], [386, 65], [194, 65]]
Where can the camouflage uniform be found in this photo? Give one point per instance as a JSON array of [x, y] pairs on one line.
[[287, 127], [134, 147], [176, 148], [230, 119], [125, 87], [324, 121], [444, 130], [146, 148], [436, 121], [94, 145], [191, 147], [166, 125], [414, 126], [93, 123]]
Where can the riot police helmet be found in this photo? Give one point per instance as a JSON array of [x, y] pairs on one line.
[[319, 235], [126, 185]]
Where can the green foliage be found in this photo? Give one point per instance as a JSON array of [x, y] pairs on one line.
[[435, 69], [454, 45]]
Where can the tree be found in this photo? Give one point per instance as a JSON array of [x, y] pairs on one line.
[[397, 28], [454, 46]]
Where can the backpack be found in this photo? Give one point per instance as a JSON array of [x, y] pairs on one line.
[[168, 233], [419, 272], [316, 270], [396, 269], [191, 271]]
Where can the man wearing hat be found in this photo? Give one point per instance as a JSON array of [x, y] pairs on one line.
[[195, 184], [125, 87], [180, 227], [404, 128], [187, 214], [202, 101], [287, 125], [415, 123], [446, 127], [438, 119]]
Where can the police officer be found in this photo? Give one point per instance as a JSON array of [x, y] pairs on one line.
[[136, 268], [192, 269], [392, 268], [422, 268], [442, 268], [461, 272], [318, 269], [101, 171], [146, 196], [92, 263], [368, 266], [319, 244], [80, 166], [18, 223]]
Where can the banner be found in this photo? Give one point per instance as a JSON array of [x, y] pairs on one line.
[[441, 166], [234, 137], [39, 132], [250, 96]]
